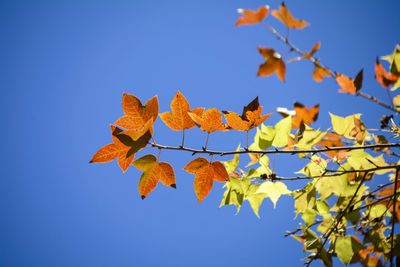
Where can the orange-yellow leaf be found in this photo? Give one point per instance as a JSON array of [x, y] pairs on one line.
[[319, 73], [205, 173], [210, 121], [203, 181], [286, 18], [312, 52], [136, 115], [116, 150], [195, 164], [333, 140], [179, 119], [220, 173], [273, 63], [251, 17], [153, 171], [303, 114], [385, 79], [348, 85], [251, 117]]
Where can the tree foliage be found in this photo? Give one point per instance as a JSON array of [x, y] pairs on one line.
[[345, 215]]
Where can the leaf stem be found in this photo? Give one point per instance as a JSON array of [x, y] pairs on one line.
[[205, 147], [183, 137]]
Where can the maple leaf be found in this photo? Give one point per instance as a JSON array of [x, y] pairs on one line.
[[358, 132], [333, 140], [251, 17], [273, 63], [205, 174], [385, 79], [319, 73], [210, 121], [112, 151], [300, 114], [251, 117], [286, 18], [153, 171], [305, 115], [348, 85], [179, 118], [136, 115]]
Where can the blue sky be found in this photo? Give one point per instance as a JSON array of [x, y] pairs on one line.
[[64, 68]]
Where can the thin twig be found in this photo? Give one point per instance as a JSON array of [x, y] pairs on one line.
[[317, 62], [338, 220], [276, 151], [393, 218]]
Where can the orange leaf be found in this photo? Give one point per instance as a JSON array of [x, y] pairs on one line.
[[312, 52], [251, 17], [303, 114], [385, 79], [179, 119], [205, 174], [136, 115], [286, 18], [333, 140], [153, 171], [348, 85], [116, 150], [251, 117], [273, 63], [210, 121], [319, 73]]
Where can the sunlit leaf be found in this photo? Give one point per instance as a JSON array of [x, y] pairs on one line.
[[273, 63], [153, 171], [137, 114], [286, 18], [319, 73], [251, 117], [210, 121], [179, 118], [251, 17], [348, 85], [274, 190], [205, 174]]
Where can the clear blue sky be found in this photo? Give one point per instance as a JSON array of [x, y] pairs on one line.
[[64, 66]]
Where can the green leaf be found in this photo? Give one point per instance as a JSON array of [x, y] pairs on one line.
[[305, 198], [359, 159], [327, 223], [316, 167], [231, 165], [345, 247], [240, 189], [378, 211], [394, 60], [322, 207], [282, 130], [263, 169], [309, 138], [265, 136], [308, 216], [343, 126], [274, 190]]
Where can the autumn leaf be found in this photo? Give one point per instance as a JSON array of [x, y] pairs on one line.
[[179, 118], [205, 174], [286, 18], [348, 85], [315, 48], [305, 115], [358, 132], [273, 63], [385, 79], [112, 151], [136, 115], [251, 17], [333, 140], [319, 73], [153, 171], [210, 121], [251, 117]]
